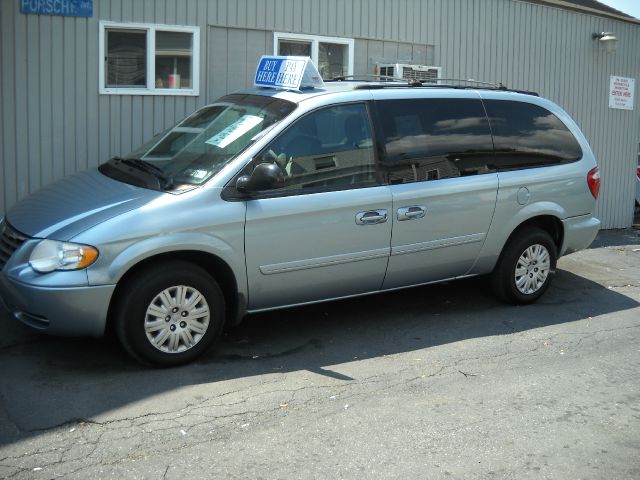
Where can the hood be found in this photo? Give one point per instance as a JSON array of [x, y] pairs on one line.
[[70, 206]]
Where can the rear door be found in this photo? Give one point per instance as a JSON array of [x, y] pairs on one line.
[[435, 158], [326, 233]]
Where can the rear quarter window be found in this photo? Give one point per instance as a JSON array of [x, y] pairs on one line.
[[527, 135]]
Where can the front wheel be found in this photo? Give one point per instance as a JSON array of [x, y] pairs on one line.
[[526, 267], [169, 314]]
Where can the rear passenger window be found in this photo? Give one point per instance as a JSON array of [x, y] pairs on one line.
[[432, 139], [527, 135]]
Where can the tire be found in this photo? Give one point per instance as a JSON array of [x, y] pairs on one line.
[[168, 314], [526, 267]]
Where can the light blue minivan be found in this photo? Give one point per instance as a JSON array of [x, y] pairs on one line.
[[271, 198]]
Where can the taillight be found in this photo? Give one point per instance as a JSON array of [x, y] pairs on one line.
[[593, 180], [638, 172]]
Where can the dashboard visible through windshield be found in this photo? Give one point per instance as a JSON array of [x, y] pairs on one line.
[[198, 147]]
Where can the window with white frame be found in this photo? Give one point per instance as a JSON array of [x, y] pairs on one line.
[[144, 59], [332, 55]]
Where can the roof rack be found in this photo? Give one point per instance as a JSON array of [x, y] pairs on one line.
[[469, 80], [382, 81], [365, 78]]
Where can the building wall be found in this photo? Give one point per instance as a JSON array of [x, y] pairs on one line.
[[53, 122]]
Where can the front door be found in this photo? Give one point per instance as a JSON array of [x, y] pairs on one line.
[[326, 233]]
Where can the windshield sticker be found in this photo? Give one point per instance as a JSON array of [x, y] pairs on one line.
[[234, 131], [197, 174]]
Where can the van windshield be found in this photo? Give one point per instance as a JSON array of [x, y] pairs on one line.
[[199, 146]]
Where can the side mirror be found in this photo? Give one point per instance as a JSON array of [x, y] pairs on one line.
[[265, 176]]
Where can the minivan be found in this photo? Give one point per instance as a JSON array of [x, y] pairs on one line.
[[271, 198]]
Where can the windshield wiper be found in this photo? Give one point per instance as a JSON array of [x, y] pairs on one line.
[[166, 181]]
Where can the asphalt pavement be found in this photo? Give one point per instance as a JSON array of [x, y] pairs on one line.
[[432, 382]]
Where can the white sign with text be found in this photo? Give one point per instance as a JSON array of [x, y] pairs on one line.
[[621, 90]]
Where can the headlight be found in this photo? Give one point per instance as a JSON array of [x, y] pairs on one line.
[[50, 255]]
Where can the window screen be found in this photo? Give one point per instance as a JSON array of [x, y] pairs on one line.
[[431, 139], [332, 60], [527, 135], [126, 58], [295, 48]]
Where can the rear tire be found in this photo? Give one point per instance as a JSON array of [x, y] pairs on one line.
[[168, 314], [526, 267]]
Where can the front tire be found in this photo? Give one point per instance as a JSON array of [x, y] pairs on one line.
[[168, 314], [526, 266]]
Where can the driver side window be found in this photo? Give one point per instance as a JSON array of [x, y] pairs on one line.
[[328, 149]]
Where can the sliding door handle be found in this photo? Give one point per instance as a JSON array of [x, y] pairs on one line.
[[411, 213]]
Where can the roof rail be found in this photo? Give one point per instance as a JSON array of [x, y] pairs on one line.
[[383, 81], [475, 84], [366, 78], [410, 81], [468, 80]]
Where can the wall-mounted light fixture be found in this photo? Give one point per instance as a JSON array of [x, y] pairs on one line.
[[608, 40]]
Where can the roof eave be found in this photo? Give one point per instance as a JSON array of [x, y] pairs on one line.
[[579, 8]]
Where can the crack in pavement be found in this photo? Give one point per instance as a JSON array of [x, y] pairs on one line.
[[177, 414], [95, 446]]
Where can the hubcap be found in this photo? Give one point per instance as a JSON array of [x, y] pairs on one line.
[[177, 319], [532, 269]]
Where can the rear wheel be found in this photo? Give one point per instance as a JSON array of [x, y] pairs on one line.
[[526, 267], [169, 314]]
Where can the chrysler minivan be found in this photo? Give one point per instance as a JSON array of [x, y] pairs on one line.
[[272, 198]]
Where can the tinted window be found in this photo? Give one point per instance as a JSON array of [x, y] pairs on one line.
[[331, 148], [431, 139], [527, 135]]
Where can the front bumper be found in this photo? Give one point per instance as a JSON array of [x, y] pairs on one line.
[[74, 311], [579, 233]]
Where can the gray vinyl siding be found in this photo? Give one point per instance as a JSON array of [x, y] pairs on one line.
[[53, 122]]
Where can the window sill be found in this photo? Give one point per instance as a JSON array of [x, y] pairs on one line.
[[179, 92]]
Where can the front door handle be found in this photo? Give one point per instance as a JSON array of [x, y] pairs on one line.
[[371, 217], [411, 213]]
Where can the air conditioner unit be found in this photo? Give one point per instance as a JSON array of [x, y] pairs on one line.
[[423, 73]]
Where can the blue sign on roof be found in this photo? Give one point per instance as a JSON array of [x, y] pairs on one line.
[[64, 8], [287, 72]]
